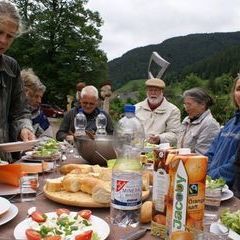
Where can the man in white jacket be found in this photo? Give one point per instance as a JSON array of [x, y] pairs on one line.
[[160, 118]]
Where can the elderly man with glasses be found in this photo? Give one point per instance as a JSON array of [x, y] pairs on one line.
[[89, 102]]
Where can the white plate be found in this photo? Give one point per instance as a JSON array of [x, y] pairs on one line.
[[9, 215], [17, 146], [98, 225], [4, 205], [227, 195], [6, 189], [233, 235]]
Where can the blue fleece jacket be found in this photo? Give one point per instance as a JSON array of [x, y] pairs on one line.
[[222, 152]]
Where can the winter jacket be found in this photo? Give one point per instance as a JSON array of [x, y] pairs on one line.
[[13, 112], [163, 121], [222, 152], [198, 134]]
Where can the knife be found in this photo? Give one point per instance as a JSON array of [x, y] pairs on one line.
[[137, 234]]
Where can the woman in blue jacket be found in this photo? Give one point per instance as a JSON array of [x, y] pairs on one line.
[[223, 150]]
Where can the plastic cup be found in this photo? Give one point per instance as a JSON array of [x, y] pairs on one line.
[[28, 187]]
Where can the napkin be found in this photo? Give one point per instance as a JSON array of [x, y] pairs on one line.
[[10, 174]]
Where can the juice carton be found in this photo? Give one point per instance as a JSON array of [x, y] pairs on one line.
[[161, 183], [186, 195]]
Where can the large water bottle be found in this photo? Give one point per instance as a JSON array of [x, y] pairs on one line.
[[101, 124], [126, 194], [80, 123]]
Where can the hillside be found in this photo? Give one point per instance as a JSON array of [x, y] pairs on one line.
[[198, 53]]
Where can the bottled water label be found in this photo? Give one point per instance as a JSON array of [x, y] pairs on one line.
[[126, 191]]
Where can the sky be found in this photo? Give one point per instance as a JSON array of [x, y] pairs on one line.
[[129, 24]]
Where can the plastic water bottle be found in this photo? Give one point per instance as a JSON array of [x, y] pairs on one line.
[[80, 123], [126, 194], [101, 123]]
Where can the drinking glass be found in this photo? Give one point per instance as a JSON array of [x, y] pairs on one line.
[[28, 187], [212, 205]]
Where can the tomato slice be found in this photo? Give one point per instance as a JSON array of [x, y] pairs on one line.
[[38, 216], [32, 234], [52, 238], [60, 211], [86, 214], [84, 236]]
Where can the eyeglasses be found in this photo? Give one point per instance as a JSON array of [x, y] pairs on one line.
[[88, 103]]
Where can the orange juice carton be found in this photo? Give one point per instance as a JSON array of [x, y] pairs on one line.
[[160, 189], [186, 195]]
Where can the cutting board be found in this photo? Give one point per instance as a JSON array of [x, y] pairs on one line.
[[79, 199]]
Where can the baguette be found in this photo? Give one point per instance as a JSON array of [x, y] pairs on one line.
[[87, 184], [101, 193], [71, 183], [54, 185], [83, 168]]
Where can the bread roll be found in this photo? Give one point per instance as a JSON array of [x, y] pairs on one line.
[[101, 193], [83, 168], [146, 212], [54, 185]]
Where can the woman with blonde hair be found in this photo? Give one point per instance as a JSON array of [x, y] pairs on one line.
[[15, 119], [223, 150]]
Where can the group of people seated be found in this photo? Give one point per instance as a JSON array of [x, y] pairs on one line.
[[160, 118]]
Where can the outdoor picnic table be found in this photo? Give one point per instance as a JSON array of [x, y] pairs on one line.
[[46, 205]]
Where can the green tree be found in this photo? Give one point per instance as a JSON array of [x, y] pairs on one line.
[[61, 44]]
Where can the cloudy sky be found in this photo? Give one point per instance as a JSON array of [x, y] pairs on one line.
[[135, 23]]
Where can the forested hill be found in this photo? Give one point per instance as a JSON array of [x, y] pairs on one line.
[[208, 55]]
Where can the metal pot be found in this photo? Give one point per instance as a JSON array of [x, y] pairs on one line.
[[95, 151]]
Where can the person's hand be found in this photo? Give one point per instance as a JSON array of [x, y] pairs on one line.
[[27, 135], [154, 139]]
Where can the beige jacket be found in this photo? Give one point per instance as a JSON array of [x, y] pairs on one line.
[[163, 121]]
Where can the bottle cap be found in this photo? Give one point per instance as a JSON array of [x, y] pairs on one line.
[[184, 151], [164, 145], [129, 108]]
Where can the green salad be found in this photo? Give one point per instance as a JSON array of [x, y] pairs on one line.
[[48, 148], [231, 220], [214, 183]]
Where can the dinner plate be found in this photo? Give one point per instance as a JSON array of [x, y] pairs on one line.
[[227, 195], [232, 235], [17, 146], [98, 225], [4, 205], [9, 215], [6, 189]]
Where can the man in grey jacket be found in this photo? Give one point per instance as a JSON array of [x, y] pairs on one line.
[[160, 118]]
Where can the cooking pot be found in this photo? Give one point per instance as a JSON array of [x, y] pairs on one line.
[[97, 150]]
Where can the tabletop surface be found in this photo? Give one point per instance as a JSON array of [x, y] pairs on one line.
[[46, 205]]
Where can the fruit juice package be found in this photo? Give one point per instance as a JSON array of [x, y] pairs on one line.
[[186, 195], [160, 190]]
